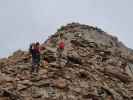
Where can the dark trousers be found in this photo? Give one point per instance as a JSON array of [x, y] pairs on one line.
[[35, 65]]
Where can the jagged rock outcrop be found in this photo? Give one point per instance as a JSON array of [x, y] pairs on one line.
[[94, 66]]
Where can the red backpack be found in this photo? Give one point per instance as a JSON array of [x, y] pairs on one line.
[[61, 45]]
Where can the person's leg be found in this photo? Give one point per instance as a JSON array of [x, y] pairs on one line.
[[62, 53], [37, 68], [33, 65], [60, 56], [33, 68], [37, 65]]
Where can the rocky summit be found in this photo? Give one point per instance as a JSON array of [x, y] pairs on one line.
[[94, 66]]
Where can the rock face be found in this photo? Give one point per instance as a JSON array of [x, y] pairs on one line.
[[94, 66]]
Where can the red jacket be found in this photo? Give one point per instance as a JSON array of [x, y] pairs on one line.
[[61, 45]]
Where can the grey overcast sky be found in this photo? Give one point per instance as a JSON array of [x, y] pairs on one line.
[[25, 21]]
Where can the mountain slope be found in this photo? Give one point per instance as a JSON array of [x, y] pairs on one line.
[[95, 66]]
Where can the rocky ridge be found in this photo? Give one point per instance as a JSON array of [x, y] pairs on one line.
[[94, 66]]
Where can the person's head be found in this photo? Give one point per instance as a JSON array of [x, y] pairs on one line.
[[61, 35], [37, 44], [33, 45]]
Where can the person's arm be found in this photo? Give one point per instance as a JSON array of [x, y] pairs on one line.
[[32, 47]]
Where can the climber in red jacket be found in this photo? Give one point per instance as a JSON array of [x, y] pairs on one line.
[[60, 48]]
